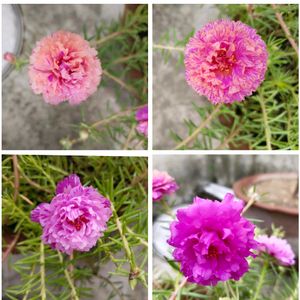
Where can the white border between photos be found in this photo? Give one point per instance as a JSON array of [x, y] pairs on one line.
[[151, 154]]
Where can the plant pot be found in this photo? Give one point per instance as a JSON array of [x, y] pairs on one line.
[[12, 39], [277, 201]]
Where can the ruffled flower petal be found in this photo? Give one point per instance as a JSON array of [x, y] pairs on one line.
[[75, 218], [225, 61], [212, 240], [162, 184], [279, 248], [63, 67]]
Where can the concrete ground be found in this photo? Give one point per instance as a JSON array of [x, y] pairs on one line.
[[30, 123], [99, 288], [172, 97]]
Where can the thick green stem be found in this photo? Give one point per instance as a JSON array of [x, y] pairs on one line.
[[285, 28], [266, 123], [42, 272], [178, 289], [127, 87], [166, 208], [116, 116], [106, 38], [129, 137], [135, 272], [108, 120], [228, 139], [249, 204], [194, 135], [233, 294], [69, 279], [16, 177], [164, 47], [261, 279], [226, 290], [142, 241]]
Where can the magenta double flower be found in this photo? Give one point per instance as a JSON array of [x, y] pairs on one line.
[[212, 240], [75, 218]]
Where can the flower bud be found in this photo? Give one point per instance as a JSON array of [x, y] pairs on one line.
[[9, 57]]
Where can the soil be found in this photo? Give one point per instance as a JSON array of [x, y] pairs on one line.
[[277, 192]]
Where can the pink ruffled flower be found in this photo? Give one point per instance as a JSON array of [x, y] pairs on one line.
[[76, 217], [212, 240], [63, 67], [278, 248], [142, 119], [162, 184], [226, 61]]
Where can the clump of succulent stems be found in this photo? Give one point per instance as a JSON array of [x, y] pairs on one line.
[[48, 274]]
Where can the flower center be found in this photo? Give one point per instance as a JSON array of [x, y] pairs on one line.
[[212, 252], [223, 59], [78, 222], [66, 69]]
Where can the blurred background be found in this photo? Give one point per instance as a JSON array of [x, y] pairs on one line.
[[273, 181], [171, 93]]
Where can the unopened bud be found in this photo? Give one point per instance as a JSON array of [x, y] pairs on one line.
[[10, 57]]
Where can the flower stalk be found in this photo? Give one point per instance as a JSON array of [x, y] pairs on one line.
[[178, 289], [69, 279], [106, 39], [285, 29], [171, 48], [135, 272], [261, 279], [129, 89], [194, 135], [42, 271], [266, 123]]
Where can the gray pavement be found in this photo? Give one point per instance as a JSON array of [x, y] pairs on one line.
[[172, 97]]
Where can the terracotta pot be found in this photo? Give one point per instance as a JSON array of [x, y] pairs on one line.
[[278, 207]]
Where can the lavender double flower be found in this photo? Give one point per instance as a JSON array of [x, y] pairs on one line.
[[75, 218]]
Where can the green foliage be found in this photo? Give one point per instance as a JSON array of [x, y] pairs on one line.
[[277, 283], [44, 271], [269, 118], [123, 50], [170, 37], [265, 279]]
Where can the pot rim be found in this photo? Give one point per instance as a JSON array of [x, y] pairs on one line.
[[20, 38], [242, 184]]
